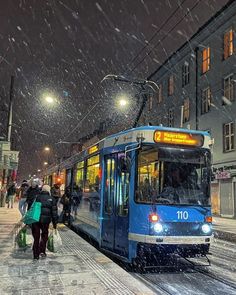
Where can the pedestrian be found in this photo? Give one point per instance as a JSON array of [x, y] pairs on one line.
[[76, 198], [22, 197], [48, 215], [11, 195], [32, 192], [56, 192], [66, 201]]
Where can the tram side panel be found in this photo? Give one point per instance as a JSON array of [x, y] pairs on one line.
[[87, 218]]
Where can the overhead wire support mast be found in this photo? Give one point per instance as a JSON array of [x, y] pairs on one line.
[[143, 93]]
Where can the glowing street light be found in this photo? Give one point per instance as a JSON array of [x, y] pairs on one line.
[[122, 100], [49, 99], [39, 170], [47, 149], [45, 163]]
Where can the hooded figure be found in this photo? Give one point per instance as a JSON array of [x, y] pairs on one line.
[[55, 191], [32, 192], [48, 214]]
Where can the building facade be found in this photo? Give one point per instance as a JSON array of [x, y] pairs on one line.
[[197, 91]]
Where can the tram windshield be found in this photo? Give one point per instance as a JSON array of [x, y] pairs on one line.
[[173, 176]]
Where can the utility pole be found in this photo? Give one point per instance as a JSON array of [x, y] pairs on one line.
[[196, 88], [9, 123], [9, 126]]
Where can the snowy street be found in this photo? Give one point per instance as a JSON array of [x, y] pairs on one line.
[[219, 278]]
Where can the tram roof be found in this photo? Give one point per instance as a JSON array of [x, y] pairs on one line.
[[161, 128], [124, 137]]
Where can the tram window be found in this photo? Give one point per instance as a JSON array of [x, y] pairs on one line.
[[173, 176], [92, 181], [79, 176], [123, 194], [109, 185], [148, 176]]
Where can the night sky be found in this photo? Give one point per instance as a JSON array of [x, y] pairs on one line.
[[64, 48]]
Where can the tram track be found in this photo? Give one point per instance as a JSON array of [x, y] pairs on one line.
[[194, 278], [149, 282], [157, 285]]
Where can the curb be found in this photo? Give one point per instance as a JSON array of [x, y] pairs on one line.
[[222, 235]]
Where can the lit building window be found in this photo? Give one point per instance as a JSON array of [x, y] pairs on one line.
[[171, 118], [228, 43], [205, 60], [171, 85], [186, 115], [159, 94], [228, 89], [228, 137], [185, 74], [206, 100]]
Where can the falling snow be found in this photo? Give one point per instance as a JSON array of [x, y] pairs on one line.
[[65, 48]]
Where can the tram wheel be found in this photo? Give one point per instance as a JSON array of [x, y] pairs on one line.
[[138, 265]]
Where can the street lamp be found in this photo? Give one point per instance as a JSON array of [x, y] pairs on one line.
[[122, 101], [143, 85], [47, 149], [45, 163], [39, 170], [49, 99]]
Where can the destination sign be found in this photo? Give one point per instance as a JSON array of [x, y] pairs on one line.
[[178, 138]]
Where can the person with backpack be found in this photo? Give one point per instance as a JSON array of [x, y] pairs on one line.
[[22, 197]]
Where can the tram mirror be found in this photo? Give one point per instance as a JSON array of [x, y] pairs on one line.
[[125, 164]]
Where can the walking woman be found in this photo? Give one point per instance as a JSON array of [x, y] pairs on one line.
[[48, 214]]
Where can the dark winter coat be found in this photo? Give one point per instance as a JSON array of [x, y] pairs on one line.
[[55, 192], [31, 194], [12, 190], [23, 190], [48, 208]]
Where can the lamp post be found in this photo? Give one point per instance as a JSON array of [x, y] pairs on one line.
[[47, 150]]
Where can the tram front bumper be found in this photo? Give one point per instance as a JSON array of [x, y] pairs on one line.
[[170, 240]]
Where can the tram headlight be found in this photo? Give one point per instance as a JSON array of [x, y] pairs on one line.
[[206, 228], [158, 227]]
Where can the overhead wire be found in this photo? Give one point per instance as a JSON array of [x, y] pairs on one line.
[[155, 33], [169, 31]]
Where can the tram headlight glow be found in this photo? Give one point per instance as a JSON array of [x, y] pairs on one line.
[[158, 227], [206, 228]]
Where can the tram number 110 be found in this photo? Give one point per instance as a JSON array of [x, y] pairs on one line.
[[182, 215]]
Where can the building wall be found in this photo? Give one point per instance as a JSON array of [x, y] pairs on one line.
[[212, 35]]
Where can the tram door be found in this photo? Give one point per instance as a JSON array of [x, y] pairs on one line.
[[115, 208]]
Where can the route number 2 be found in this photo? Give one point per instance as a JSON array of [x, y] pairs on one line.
[[182, 215]]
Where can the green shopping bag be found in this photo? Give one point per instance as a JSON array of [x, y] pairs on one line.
[[50, 245], [21, 238], [33, 214]]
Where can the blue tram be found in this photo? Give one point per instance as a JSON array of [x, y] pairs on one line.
[[145, 190]]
